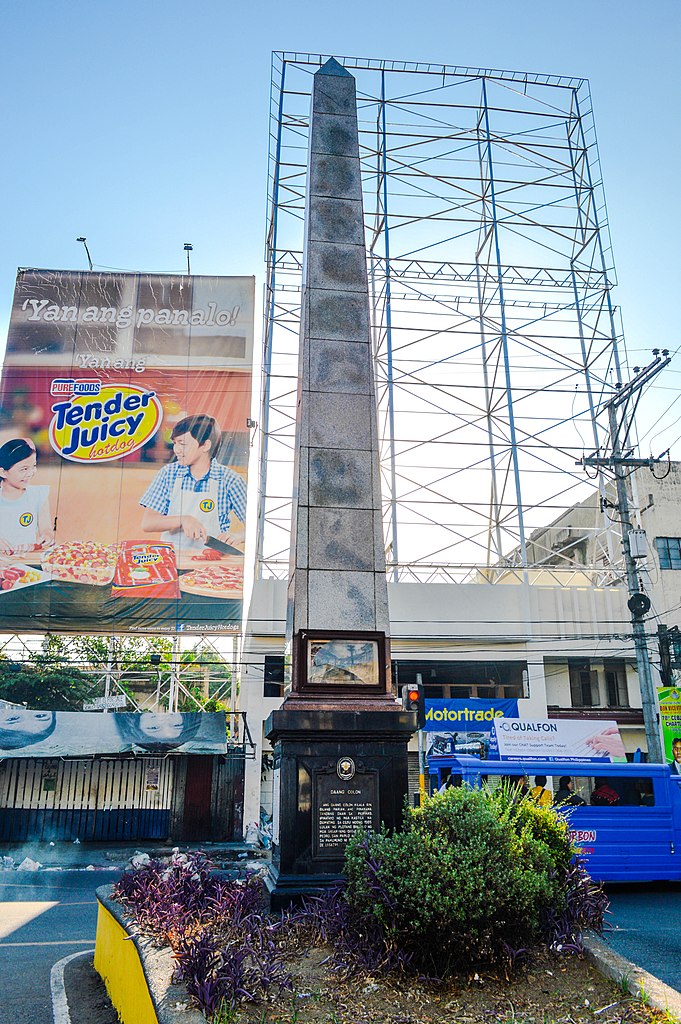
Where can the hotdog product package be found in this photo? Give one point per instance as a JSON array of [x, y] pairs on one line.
[[145, 569]]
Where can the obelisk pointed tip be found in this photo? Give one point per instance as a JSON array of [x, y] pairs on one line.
[[332, 67]]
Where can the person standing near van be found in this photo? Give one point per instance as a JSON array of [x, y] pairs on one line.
[[566, 794], [539, 793]]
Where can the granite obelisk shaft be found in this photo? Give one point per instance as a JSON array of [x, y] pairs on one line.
[[337, 570], [340, 738]]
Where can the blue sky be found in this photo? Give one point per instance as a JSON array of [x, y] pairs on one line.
[[144, 125]]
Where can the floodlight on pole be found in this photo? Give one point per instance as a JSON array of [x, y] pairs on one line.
[[87, 251], [188, 247]]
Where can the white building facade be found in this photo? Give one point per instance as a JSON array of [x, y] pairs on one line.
[[554, 640]]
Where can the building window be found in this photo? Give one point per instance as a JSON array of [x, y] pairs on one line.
[[584, 691], [274, 675], [491, 680], [616, 683], [669, 552]]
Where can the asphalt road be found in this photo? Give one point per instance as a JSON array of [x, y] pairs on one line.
[[645, 922], [44, 916]]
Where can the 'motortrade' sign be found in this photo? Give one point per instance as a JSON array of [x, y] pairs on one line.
[[458, 714], [559, 740], [465, 726]]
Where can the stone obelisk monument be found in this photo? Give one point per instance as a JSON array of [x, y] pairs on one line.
[[340, 738]]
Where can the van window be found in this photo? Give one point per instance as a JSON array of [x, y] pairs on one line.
[[606, 791]]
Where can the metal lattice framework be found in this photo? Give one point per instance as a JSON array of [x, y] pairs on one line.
[[209, 674], [495, 336]]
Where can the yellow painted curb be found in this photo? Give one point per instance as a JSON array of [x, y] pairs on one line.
[[118, 964]]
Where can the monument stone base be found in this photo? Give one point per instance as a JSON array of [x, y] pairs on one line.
[[335, 771]]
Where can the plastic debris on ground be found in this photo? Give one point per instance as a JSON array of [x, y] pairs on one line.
[[29, 865], [265, 829], [252, 835]]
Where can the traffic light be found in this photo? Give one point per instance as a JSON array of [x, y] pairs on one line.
[[669, 641], [414, 700], [665, 656]]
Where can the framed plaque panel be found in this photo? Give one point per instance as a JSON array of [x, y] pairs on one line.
[[337, 662]]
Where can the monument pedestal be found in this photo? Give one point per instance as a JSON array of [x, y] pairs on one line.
[[335, 771]]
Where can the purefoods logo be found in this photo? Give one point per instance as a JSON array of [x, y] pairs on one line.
[[115, 422], [26, 519], [207, 505]]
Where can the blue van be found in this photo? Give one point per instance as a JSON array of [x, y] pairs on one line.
[[637, 838]]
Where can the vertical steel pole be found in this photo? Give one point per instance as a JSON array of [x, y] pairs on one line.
[[108, 676], [269, 333], [504, 330], [422, 755], [578, 183], [599, 243], [389, 336], [173, 697], [494, 528], [494, 497], [233, 687]]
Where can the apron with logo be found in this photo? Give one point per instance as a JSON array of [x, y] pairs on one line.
[[203, 505], [19, 519]]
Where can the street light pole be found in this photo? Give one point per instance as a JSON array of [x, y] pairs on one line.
[[651, 718], [639, 604]]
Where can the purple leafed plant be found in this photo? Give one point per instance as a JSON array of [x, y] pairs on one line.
[[224, 946], [586, 905], [359, 942]]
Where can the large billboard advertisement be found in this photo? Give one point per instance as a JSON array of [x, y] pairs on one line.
[[559, 740], [123, 452], [670, 716], [460, 726], [74, 733]]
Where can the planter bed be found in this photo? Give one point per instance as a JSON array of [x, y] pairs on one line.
[[136, 972]]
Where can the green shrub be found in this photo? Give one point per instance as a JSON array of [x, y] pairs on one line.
[[470, 879]]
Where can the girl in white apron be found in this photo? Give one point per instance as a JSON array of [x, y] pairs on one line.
[[25, 524]]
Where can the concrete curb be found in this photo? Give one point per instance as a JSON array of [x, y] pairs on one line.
[[170, 1002], [644, 986]]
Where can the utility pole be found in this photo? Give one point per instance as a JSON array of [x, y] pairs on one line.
[[639, 603]]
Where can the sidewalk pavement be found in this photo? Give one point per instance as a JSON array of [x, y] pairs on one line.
[[111, 857]]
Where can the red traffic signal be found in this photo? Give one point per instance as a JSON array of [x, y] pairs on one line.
[[413, 700]]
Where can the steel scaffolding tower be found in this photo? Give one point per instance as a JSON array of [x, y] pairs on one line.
[[495, 337]]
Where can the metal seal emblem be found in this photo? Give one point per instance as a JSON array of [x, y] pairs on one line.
[[345, 769]]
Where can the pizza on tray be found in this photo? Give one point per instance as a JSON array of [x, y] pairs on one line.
[[214, 581], [82, 562]]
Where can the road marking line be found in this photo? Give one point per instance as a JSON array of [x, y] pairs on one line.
[[56, 942], [80, 903], [60, 1004]]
